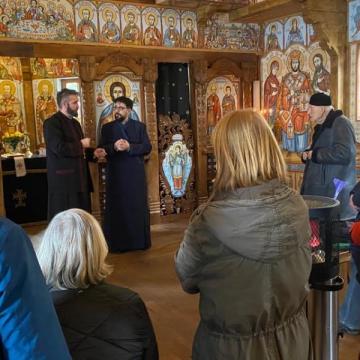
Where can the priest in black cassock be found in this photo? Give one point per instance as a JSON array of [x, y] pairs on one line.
[[69, 181], [126, 220]]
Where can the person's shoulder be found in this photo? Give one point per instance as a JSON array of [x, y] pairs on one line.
[[107, 129], [121, 302], [340, 120], [117, 293], [53, 118], [9, 229], [137, 123], [108, 125], [338, 115], [7, 225]]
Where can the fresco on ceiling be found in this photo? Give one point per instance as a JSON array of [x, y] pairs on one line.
[[41, 20], [109, 21], [172, 28], [54, 68], [354, 21], [222, 95], [110, 88], [220, 34], [86, 21]]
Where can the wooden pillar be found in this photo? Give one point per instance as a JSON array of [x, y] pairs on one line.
[[249, 74], [29, 102], [87, 69], [199, 74], [152, 165]]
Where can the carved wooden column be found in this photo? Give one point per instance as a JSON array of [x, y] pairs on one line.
[[29, 102], [152, 165], [199, 74], [87, 69]]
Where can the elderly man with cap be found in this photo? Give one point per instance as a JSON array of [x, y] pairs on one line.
[[331, 155]]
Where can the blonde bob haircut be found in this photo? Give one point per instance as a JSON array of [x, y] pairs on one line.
[[246, 152], [73, 251]]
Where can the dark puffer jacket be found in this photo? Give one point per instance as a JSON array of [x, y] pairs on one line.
[[105, 322]]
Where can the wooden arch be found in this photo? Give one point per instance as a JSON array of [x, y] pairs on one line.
[[119, 59], [223, 67]]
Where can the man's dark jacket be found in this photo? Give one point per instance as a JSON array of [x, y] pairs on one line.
[[333, 156], [105, 322], [67, 168]]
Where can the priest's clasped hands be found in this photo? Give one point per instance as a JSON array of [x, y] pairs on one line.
[[121, 145], [100, 153]]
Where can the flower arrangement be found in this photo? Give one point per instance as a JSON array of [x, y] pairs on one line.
[[12, 140]]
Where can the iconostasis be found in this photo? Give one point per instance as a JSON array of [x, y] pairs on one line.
[[48, 76], [222, 97], [111, 87], [122, 23]]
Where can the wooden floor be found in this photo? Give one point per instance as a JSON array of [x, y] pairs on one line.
[[174, 313]]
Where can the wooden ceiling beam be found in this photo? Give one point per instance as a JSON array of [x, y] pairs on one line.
[[266, 10], [27, 48]]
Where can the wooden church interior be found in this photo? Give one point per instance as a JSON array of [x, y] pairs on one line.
[[205, 58]]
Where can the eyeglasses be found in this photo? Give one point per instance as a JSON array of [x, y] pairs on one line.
[[120, 107]]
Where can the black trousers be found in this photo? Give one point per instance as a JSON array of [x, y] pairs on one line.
[[58, 202]]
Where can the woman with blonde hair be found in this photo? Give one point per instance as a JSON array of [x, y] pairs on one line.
[[246, 251], [99, 320]]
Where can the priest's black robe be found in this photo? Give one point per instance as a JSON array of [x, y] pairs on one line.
[[126, 218], [69, 180]]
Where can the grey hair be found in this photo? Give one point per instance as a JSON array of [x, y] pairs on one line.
[[64, 94], [73, 251]]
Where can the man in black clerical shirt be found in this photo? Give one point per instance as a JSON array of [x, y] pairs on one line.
[[69, 182]]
